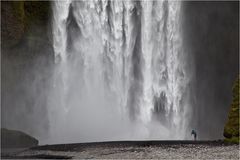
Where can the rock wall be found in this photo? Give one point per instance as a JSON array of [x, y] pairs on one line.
[[26, 60], [19, 18], [211, 34]]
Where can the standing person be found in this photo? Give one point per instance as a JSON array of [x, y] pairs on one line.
[[194, 133]]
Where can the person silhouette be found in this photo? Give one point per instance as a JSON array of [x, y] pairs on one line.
[[194, 133]]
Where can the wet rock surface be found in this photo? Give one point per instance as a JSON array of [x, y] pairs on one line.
[[133, 150]]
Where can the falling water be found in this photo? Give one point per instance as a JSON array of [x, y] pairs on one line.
[[119, 71]]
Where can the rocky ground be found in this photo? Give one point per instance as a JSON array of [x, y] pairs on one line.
[[131, 150]]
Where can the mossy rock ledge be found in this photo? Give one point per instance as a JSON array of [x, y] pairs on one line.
[[231, 129], [21, 20], [16, 139]]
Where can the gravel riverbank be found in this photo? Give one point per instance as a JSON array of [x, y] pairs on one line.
[[132, 150]]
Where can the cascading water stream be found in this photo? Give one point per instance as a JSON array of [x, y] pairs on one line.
[[119, 71]]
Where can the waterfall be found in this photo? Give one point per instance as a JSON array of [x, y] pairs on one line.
[[120, 71]]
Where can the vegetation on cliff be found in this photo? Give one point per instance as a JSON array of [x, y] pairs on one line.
[[22, 20], [231, 129]]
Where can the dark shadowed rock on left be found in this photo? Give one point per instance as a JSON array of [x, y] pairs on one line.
[[16, 139]]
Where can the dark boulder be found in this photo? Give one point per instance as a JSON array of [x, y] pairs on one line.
[[16, 139]]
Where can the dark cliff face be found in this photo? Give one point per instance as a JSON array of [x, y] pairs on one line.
[[12, 24], [211, 31], [26, 59], [23, 21]]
